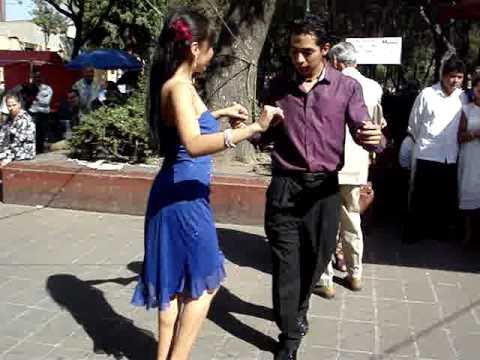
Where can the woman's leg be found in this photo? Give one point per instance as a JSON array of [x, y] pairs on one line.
[[166, 327], [189, 323]]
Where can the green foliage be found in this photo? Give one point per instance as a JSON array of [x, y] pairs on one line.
[[131, 25], [48, 19], [117, 133]]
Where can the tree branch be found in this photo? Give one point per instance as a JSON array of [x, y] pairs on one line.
[[62, 11]]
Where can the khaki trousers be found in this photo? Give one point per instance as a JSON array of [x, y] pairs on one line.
[[350, 234]]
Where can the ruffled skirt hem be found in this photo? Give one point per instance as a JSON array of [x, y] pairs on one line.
[[150, 297]]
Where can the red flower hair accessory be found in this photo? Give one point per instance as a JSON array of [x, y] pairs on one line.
[[181, 29]]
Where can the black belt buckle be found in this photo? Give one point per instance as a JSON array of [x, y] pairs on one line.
[[311, 177]]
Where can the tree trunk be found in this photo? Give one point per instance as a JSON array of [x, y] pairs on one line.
[[234, 73], [78, 41]]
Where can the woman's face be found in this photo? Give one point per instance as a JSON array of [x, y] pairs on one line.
[[476, 91], [204, 56], [13, 106]]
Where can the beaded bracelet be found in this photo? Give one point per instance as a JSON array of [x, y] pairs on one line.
[[228, 138]]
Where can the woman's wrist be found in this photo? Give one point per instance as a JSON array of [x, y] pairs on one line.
[[217, 113]]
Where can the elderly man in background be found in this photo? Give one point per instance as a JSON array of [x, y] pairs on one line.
[[88, 89], [353, 175]]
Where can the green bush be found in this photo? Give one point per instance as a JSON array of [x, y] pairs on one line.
[[115, 133]]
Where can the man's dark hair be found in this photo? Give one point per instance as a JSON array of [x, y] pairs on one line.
[[74, 91], [314, 25], [453, 64]]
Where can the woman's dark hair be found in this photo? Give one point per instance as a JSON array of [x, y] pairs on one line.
[[475, 80], [181, 29], [453, 64], [15, 97], [312, 24]]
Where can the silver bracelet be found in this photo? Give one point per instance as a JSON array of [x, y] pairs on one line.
[[228, 138]]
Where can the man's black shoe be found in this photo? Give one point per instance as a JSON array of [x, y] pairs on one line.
[[286, 354], [303, 325]]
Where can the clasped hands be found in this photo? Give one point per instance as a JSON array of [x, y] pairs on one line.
[[238, 114]]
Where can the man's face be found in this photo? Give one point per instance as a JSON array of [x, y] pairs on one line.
[[88, 74], [36, 78], [452, 80], [307, 56], [72, 100]]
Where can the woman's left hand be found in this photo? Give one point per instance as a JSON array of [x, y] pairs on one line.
[[236, 112]]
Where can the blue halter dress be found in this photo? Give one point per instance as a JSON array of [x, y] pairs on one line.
[[181, 245]]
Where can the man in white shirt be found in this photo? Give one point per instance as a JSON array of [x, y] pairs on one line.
[[353, 175], [433, 126], [40, 110], [89, 89]]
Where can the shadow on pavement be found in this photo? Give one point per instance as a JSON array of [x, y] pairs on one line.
[[116, 335], [246, 249], [225, 304], [111, 333]]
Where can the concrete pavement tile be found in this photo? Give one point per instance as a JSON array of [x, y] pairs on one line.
[[30, 296], [323, 332], [389, 289], [467, 346], [452, 299], [396, 340], [235, 348], [28, 350], [66, 354], [444, 277], [347, 355], [323, 307], [10, 311], [434, 345], [387, 272], [57, 330], [315, 353], [461, 323], [419, 291], [392, 312], [357, 308], [79, 340], [423, 316], [6, 342], [357, 336], [28, 323]]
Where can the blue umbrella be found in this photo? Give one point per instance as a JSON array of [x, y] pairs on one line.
[[106, 59]]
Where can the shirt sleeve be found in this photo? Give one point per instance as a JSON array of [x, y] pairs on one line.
[[44, 97], [356, 112], [415, 117]]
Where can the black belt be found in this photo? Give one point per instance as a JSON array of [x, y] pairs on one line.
[[303, 175]]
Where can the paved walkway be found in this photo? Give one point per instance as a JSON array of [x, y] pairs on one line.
[[66, 278]]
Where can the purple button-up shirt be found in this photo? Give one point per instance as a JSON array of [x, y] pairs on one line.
[[311, 138]]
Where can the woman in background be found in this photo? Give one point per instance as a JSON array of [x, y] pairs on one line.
[[469, 164], [17, 134]]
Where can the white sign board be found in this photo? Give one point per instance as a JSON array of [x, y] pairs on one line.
[[385, 50]]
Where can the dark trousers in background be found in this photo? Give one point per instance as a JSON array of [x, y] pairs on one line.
[[433, 209], [41, 130], [301, 223]]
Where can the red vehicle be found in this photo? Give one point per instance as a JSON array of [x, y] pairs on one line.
[[18, 66]]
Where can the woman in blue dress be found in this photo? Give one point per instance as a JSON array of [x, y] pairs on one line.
[[183, 265]]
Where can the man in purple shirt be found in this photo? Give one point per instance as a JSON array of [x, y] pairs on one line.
[[303, 201]]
